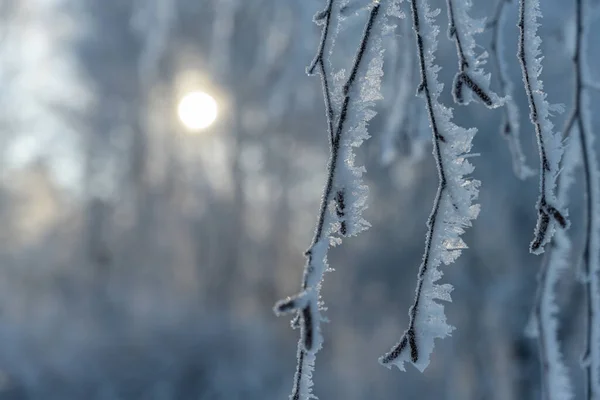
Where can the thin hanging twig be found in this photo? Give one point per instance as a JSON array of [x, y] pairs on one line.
[[549, 145], [324, 18], [448, 216], [461, 28], [510, 128], [409, 337], [591, 248], [556, 383], [307, 304]]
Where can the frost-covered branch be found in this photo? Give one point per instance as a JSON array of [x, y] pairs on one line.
[[461, 28], [324, 18], [580, 119], [510, 128], [344, 196], [549, 142], [556, 383], [452, 209]]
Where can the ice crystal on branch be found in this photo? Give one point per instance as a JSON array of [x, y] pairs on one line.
[[579, 122], [470, 82], [556, 384], [349, 100], [549, 142], [453, 208]]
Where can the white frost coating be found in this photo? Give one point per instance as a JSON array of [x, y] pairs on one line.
[[452, 212], [594, 284], [511, 131], [344, 196], [591, 253], [556, 382], [303, 382], [471, 82], [556, 375], [549, 142]]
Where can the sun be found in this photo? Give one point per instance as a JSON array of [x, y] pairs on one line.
[[197, 110]]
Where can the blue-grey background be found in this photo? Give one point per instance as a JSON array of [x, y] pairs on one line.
[[139, 261]]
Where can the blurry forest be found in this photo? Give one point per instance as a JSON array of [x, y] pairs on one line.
[[139, 260]]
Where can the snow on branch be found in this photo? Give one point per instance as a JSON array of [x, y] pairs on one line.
[[549, 143], [461, 28], [510, 128], [453, 207], [344, 195]]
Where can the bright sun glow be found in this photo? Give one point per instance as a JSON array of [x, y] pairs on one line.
[[197, 110]]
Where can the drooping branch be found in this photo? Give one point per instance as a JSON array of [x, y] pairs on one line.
[[510, 128], [556, 383], [452, 208], [324, 18], [549, 143], [461, 28], [344, 188], [580, 119], [327, 37]]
